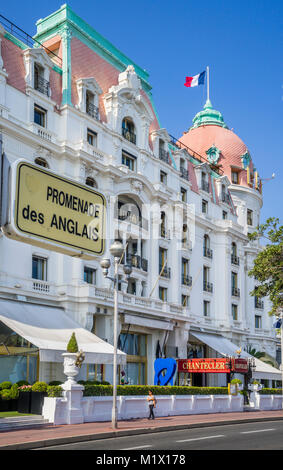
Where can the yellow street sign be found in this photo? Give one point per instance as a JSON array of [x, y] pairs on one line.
[[53, 209]]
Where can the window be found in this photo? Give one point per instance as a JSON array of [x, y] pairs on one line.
[[204, 206], [41, 161], [207, 252], [163, 294], [224, 215], [235, 177], [183, 194], [40, 84], [129, 160], [89, 275], [132, 286], [235, 312], [40, 115], [249, 217], [39, 268], [91, 109], [258, 321], [128, 130], [185, 300], [204, 182], [163, 265], [186, 279], [206, 308], [92, 138], [163, 177], [91, 182]]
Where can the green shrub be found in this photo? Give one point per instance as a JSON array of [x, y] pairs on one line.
[[39, 387], [25, 388], [271, 391], [55, 383], [104, 382], [107, 390], [236, 381], [54, 391], [255, 382], [5, 385], [10, 393], [72, 346]]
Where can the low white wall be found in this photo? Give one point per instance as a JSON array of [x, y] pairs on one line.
[[133, 407], [268, 402]]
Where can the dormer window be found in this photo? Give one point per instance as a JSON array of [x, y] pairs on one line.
[[40, 83], [204, 182], [163, 154], [235, 177], [91, 109], [128, 130]]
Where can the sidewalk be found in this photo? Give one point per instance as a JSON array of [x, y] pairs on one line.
[[52, 435]]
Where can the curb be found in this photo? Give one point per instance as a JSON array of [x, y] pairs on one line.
[[128, 432]]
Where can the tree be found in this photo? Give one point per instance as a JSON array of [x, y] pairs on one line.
[[268, 265]]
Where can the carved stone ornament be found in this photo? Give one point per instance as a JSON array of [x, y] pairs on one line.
[[213, 154], [137, 186]]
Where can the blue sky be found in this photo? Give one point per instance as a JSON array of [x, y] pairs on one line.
[[241, 41]]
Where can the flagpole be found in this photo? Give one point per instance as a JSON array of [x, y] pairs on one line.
[[207, 81]]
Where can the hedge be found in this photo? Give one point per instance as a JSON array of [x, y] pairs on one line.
[[107, 390], [270, 391]]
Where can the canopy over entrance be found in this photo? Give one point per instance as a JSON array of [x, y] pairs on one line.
[[226, 348], [49, 329]]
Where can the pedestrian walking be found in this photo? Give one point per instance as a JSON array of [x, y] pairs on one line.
[[152, 403]]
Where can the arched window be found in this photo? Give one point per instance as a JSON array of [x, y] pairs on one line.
[[91, 182], [234, 249], [234, 257], [207, 252], [42, 162], [128, 130]]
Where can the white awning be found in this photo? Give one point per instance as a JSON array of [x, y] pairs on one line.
[[49, 329], [226, 348], [148, 322]]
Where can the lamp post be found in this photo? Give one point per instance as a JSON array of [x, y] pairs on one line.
[[116, 250]]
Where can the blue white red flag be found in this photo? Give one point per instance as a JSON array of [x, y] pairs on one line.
[[195, 80]]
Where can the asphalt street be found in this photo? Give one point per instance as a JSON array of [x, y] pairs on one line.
[[247, 436]]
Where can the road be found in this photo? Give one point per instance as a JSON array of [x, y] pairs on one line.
[[246, 436]]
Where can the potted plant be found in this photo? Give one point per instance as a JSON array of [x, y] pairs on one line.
[[238, 383], [255, 386], [38, 392], [73, 359], [8, 397], [24, 400]]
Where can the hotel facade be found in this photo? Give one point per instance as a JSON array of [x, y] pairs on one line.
[[73, 105]]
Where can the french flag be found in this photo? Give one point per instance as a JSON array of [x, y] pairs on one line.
[[196, 80]]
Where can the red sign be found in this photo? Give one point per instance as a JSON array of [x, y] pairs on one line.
[[204, 365], [240, 365]]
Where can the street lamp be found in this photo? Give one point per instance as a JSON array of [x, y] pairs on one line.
[[116, 250]]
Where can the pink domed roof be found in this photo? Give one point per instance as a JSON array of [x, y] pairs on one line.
[[210, 132]]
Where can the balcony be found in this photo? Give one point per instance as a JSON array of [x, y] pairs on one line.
[[235, 292], [137, 262], [128, 135], [184, 173], [205, 186], [164, 272], [163, 155], [235, 260], [225, 198], [41, 85], [259, 303], [207, 286], [164, 233], [186, 280], [92, 110], [207, 252]]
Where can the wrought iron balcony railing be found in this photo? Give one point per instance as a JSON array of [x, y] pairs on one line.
[[207, 252], [235, 260], [205, 186], [163, 155], [235, 291], [259, 303], [164, 271], [184, 173], [130, 136], [92, 110], [207, 286], [42, 85], [186, 280]]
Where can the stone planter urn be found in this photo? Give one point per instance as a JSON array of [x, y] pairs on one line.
[[71, 370]]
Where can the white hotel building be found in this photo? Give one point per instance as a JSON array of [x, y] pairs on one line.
[[73, 103]]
